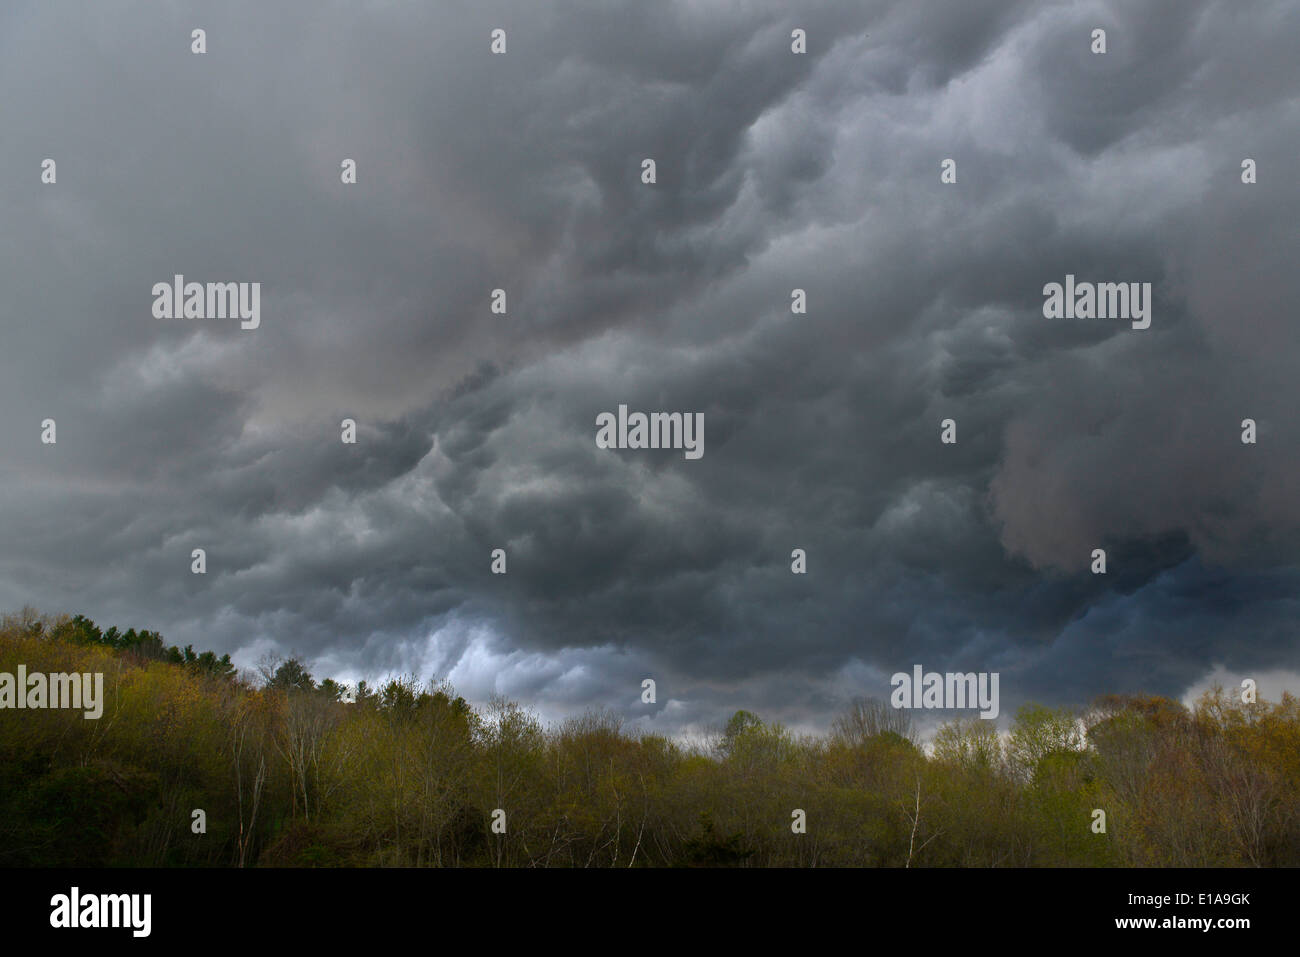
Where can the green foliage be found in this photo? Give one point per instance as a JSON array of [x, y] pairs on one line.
[[299, 773], [292, 675], [1041, 733], [710, 849], [141, 645]]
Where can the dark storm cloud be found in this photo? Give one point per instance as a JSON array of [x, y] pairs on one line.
[[476, 431]]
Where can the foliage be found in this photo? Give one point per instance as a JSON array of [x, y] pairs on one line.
[[295, 772]]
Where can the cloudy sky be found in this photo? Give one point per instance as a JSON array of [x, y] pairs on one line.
[[476, 431]]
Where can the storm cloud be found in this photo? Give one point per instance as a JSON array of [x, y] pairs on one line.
[[775, 171]]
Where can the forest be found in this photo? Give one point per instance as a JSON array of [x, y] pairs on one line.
[[195, 765]]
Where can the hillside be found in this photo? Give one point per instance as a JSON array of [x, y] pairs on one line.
[[288, 771]]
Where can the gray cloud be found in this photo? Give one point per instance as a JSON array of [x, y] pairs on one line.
[[476, 431]]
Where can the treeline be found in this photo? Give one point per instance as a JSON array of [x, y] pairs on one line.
[[291, 771], [139, 645]]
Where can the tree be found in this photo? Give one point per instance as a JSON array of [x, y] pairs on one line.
[[711, 849], [867, 718], [969, 743], [737, 726], [1040, 732], [364, 694], [292, 676]]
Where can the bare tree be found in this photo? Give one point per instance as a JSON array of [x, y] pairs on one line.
[[247, 747], [867, 718], [308, 719], [914, 815]]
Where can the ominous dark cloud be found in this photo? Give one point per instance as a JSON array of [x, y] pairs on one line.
[[476, 431]]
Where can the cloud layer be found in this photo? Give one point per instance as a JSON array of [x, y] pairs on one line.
[[476, 431]]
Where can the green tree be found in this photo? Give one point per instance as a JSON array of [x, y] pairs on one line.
[[292, 676]]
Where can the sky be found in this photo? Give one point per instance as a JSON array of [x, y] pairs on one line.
[[775, 171]]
